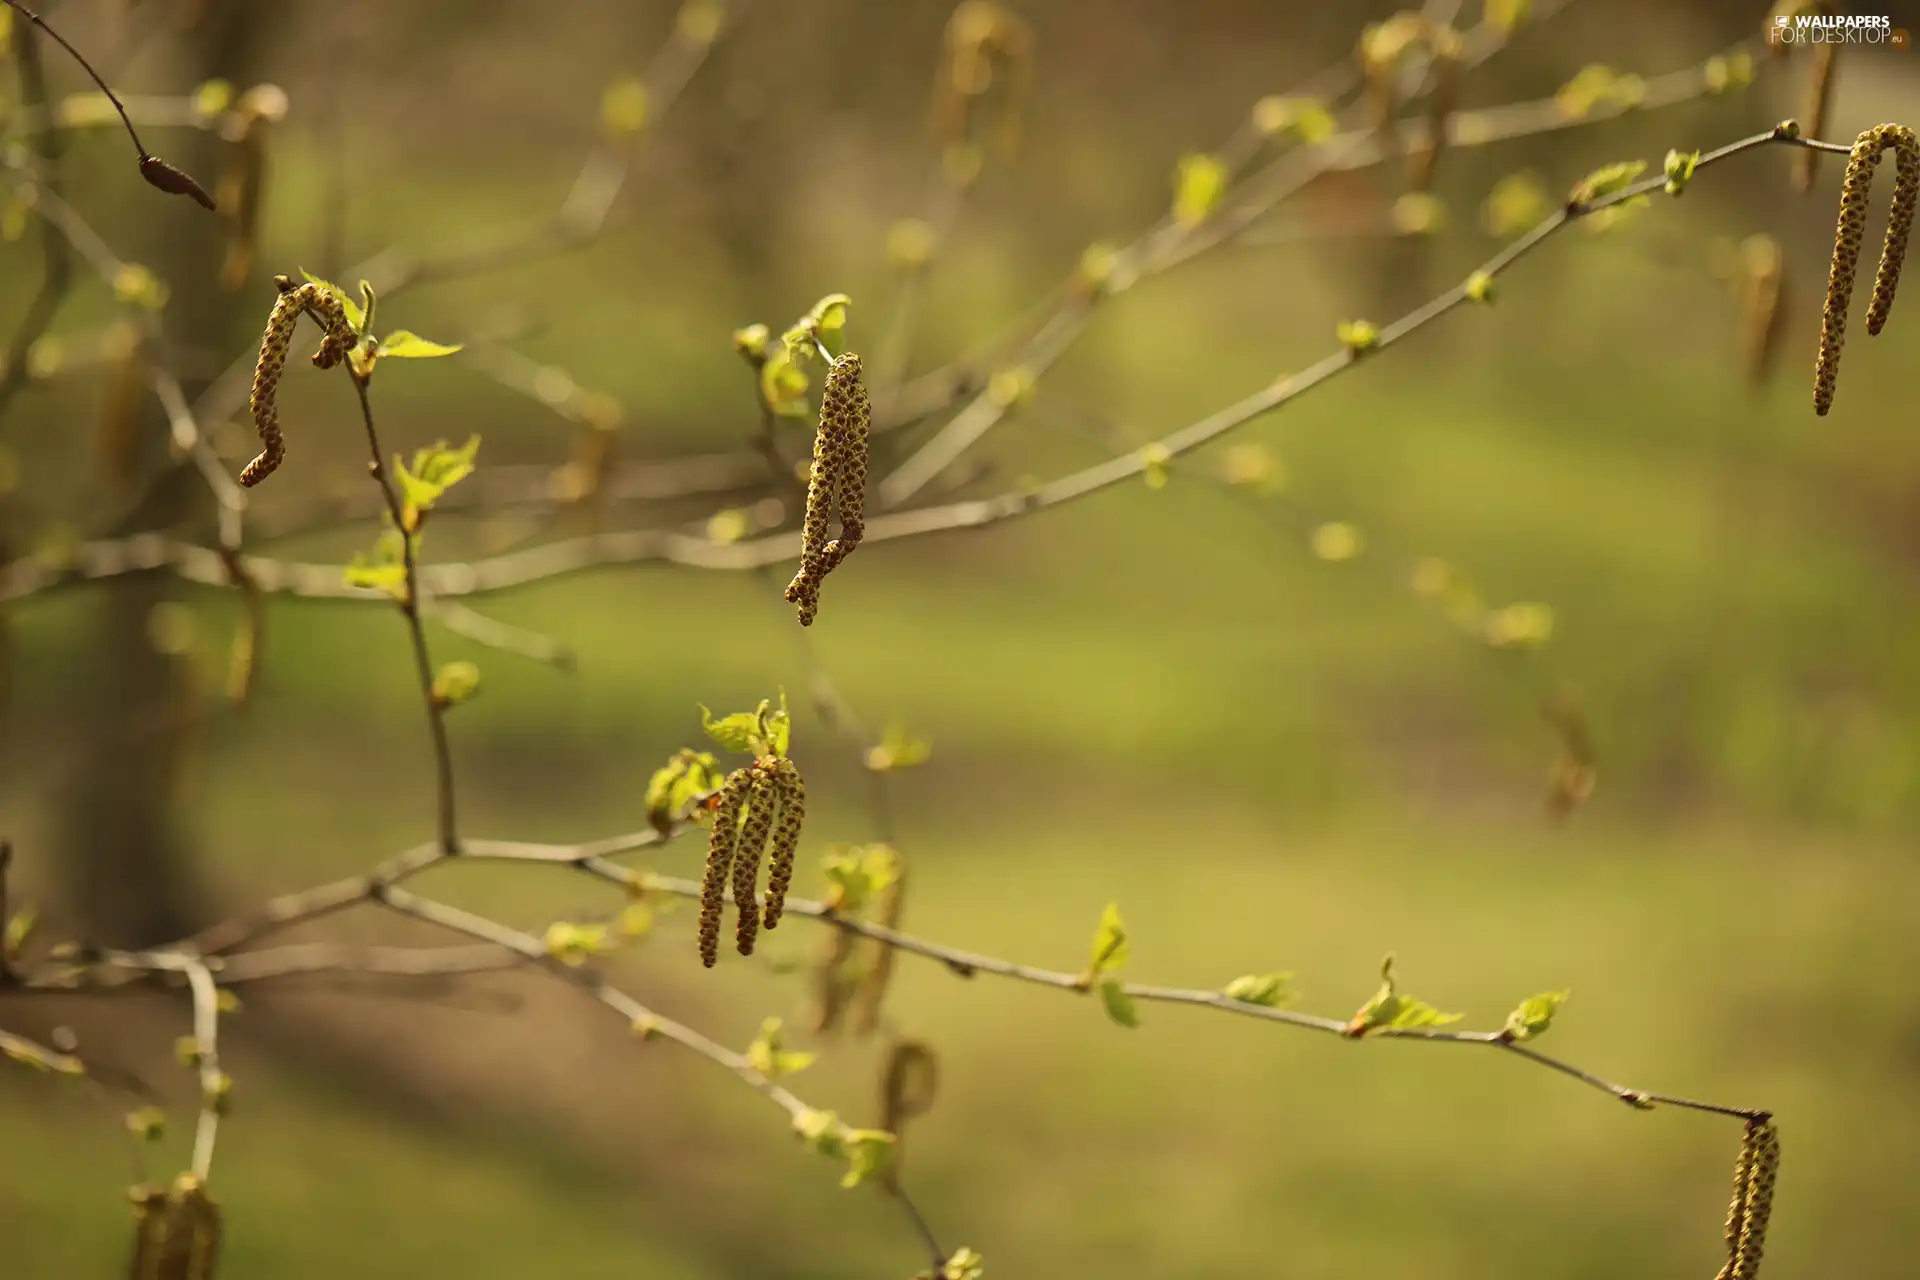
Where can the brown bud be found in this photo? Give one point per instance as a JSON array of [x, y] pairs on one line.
[[175, 182]]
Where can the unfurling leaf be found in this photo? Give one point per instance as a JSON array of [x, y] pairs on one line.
[[769, 1055], [1357, 336], [1199, 185], [783, 385], [356, 314], [385, 570], [1154, 459], [1606, 181], [1391, 1011], [456, 683], [735, 732], [436, 469], [856, 873], [1119, 1005], [829, 315], [820, 1130], [574, 944], [148, 1124], [1269, 989], [1534, 1015], [1110, 945], [404, 345], [868, 1152], [898, 750]]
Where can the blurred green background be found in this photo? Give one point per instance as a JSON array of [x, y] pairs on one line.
[[1159, 697]]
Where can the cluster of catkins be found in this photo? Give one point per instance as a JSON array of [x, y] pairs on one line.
[[766, 798], [1754, 1173], [838, 475], [1849, 235], [176, 1235], [293, 302]]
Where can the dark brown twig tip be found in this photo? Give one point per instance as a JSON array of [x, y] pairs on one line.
[[174, 181]]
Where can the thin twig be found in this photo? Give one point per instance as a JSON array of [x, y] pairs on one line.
[[575, 555], [416, 632]]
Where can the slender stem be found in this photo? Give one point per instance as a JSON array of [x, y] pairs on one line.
[[410, 609], [78, 57], [206, 1036], [633, 546]]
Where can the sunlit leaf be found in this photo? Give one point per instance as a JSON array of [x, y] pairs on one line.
[[1269, 989], [1534, 1015], [1110, 944], [1388, 1010], [403, 345], [1119, 1005]]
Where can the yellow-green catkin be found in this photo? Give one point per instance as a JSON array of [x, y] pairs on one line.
[[1850, 234], [838, 477], [786, 839], [720, 846], [294, 301], [828, 448], [762, 800], [1755, 1171]]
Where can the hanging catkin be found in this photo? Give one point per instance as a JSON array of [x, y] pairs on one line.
[[838, 477], [713, 889], [1850, 233], [327, 312], [786, 839], [762, 799]]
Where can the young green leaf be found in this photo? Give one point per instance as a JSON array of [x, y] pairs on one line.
[[1534, 1015], [869, 1152], [1199, 185], [783, 385], [1269, 989], [965, 1264], [356, 314], [17, 931], [1357, 336], [769, 1055], [829, 315], [898, 750], [1119, 1005], [574, 944], [1110, 945], [1388, 1010], [776, 727], [1154, 460], [385, 570], [856, 873], [456, 683], [1606, 181], [820, 1130], [735, 732], [403, 345]]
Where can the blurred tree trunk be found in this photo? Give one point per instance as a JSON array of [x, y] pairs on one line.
[[122, 853]]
